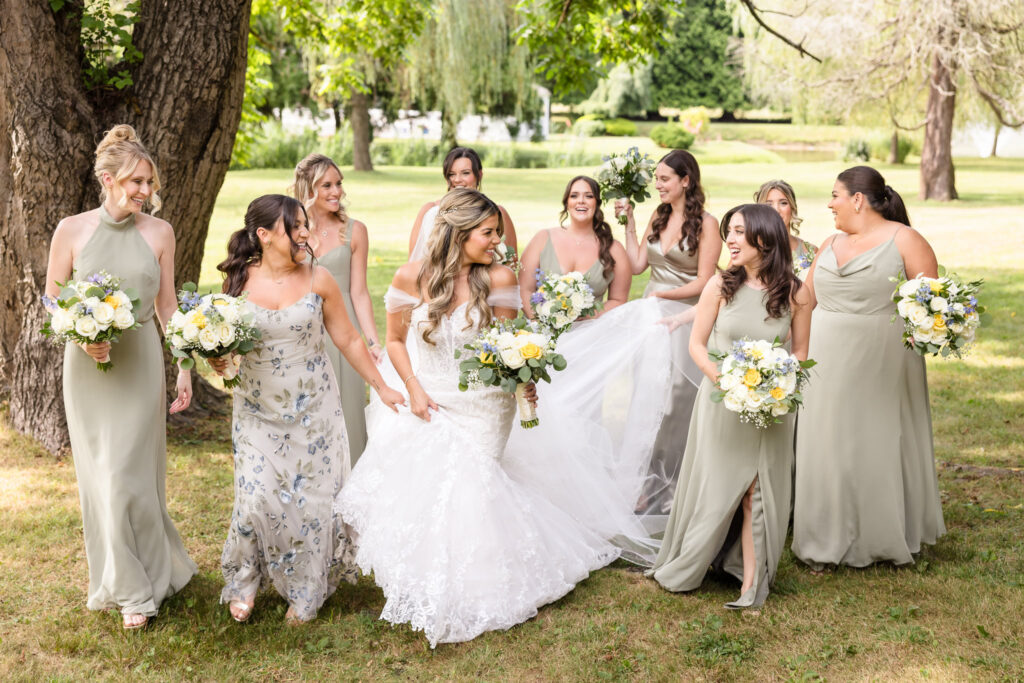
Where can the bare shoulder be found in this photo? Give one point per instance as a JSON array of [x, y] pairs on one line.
[[828, 240], [359, 235], [156, 226], [617, 249], [709, 222], [714, 286], [405, 277], [906, 236], [502, 276], [70, 226], [801, 295]]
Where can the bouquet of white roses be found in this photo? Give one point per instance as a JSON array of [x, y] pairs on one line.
[[760, 380], [211, 326], [626, 176], [91, 311], [561, 299], [510, 354], [940, 315]]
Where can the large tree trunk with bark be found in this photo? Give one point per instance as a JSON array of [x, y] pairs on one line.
[[937, 175], [359, 116], [185, 104]]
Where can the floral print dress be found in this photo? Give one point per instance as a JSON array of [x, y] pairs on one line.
[[291, 457]]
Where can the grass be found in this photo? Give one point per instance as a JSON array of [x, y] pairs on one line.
[[955, 615]]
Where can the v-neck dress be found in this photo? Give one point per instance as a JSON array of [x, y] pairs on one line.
[[594, 275], [866, 487]]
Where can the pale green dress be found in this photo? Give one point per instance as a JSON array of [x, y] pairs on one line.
[[594, 276], [116, 421], [669, 270], [353, 389], [866, 487], [723, 456]]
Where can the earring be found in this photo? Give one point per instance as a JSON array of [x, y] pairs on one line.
[[857, 208]]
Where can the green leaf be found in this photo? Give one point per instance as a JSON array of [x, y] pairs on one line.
[[189, 287], [187, 364], [56, 5], [525, 374], [558, 362], [486, 374]]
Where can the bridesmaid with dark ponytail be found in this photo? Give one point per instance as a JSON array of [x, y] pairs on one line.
[[866, 488]]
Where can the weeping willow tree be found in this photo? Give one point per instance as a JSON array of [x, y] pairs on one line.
[[466, 61]]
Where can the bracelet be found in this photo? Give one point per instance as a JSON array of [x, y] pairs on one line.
[[406, 380]]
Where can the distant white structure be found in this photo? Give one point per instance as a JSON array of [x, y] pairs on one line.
[[975, 140], [412, 124]]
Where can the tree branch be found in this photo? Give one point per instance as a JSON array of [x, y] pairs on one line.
[[755, 12], [997, 104], [565, 13]]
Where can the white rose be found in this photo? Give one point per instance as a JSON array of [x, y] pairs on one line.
[[956, 328], [780, 409], [103, 314], [123, 318], [787, 383], [561, 320], [87, 327], [972, 318], [909, 288], [92, 302], [208, 338], [61, 321], [753, 401], [177, 321], [918, 314], [177, 341], [958, 308], [765, 347], [122, 299], [734, 399], [728, 382], [938, 304], [903, 307], [225, 333], [190, 332], [577, 301], [512, 358], [727, 364]]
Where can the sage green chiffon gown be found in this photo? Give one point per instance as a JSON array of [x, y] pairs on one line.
[[669, 270], [723, 456], [116, 421], [594, 276], [353, 389], [866, 487]]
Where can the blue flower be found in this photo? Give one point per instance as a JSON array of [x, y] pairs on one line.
[[536, 298]]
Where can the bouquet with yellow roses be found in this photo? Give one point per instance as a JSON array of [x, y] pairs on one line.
[[91, 311], [760, 380], [510, 354], [939, 315], [211, 326], [561, 299]]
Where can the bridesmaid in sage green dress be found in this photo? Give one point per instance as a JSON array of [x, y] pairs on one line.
[[779, 195], [116, 418], [682, 246], [585, 245], [342, 245], [866, 487], [731, 506]]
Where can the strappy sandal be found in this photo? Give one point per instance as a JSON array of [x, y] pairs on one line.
[[130, 622], [239, 606]]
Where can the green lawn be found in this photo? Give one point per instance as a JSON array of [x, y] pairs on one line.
[[955, 615]]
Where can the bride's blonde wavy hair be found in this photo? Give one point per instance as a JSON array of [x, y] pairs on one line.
[[459, 213], [118, 153]]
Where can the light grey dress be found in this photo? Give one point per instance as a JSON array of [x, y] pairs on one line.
[[353, 389], [116, 421], [723, 456], [866, 488], [291, 458], [669, 270]]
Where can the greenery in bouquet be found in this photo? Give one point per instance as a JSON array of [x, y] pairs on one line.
[[91, 311], [626, 176]]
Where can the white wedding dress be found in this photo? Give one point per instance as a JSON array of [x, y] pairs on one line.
[[458, 544]]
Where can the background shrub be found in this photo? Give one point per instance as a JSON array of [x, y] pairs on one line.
[[857, 149], [672, 135], [622, 127], [560, 124], [588, 128], [881, 146]]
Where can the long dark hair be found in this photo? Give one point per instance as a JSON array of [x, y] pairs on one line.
[[244, 248], [684, 164], [457, 153], [765, 231], [601, 227], [880, 196]]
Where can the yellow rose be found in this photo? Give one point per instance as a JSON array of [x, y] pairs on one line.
[[752, 378], [936, 286], [777, 393], [756, 354], [531, 351], [113, 301], [940, 322], [220, 302], [196, 317], [486, 358]]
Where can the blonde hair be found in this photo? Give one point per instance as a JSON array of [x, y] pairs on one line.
[[460, 212], [118, 153], [308, 174], [761, 196]]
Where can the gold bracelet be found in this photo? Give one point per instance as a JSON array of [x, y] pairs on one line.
[[406, 380]]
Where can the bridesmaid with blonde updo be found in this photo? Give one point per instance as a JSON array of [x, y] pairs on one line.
[[116, 418]]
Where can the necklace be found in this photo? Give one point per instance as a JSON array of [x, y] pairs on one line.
[[578, 240]]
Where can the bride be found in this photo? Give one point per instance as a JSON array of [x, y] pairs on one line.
[[460, 540]]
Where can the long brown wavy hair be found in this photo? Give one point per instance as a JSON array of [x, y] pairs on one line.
[[601, 227], [457, 153], [244, 247], [684, 164], [765, 231], [459, 213]]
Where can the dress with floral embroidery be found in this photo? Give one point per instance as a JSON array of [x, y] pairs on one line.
[[291, 458]]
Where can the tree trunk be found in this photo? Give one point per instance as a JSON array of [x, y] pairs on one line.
[[448, 125], [185, 104], [359, 116], [937, 175], [894, 148], [995, 139]]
